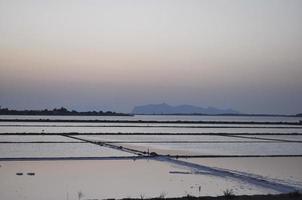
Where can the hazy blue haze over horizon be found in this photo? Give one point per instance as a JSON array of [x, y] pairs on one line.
[[117, 54]]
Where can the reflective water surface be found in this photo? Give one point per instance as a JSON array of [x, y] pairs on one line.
[[117, 173], [109, 178]]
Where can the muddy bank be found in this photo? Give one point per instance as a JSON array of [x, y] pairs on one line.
[[291, 196]]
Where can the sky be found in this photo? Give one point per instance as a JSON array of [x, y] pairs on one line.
[[115, 54]]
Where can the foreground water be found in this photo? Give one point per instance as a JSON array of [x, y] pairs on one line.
[[109, 178], [115, 173]]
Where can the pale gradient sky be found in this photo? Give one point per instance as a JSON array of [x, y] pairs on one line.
[[115, 54]]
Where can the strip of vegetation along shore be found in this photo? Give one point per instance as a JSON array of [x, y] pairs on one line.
[[229, 195], [152, 121], [60, 112]]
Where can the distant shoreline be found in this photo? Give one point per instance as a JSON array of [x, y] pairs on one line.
[[59, 112], [299, 123], [227, 115], [109, 113], [65, 112], [87, 115]]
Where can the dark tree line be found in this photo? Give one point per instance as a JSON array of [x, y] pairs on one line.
[[59, 111]]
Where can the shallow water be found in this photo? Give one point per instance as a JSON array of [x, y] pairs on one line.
[[283, 169], [222, 148], [110, 178], [34, 138], [146, 130], [116, 178], [58, 150]]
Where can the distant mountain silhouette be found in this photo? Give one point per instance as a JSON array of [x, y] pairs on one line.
[[181, 109]]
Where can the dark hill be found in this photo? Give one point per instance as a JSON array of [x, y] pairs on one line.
[[180, 109]]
